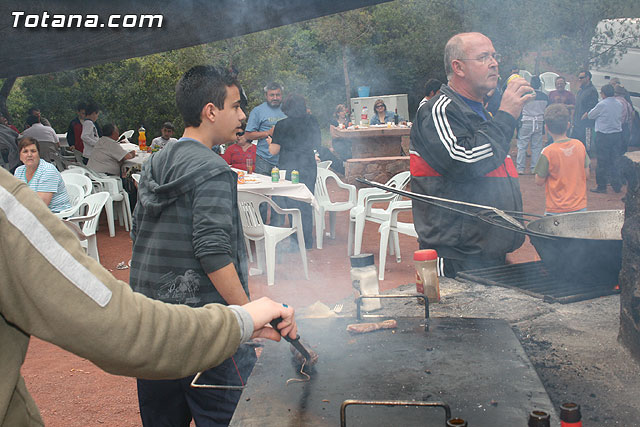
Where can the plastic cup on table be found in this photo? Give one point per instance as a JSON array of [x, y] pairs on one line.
[[283, 174], [249, 166]]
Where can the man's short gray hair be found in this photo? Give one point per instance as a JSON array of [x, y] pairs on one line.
[[454, 49]]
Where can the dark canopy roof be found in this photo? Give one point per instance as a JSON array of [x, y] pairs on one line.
[[28, 50]]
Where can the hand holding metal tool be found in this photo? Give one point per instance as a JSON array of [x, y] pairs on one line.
[[310, 357]]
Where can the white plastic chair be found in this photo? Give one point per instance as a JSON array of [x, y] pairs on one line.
[[136, 177], [113, 186], [326, 205], [76, 196], [266, 236], [548, 80], [325, 164], [70, 176], [394, 226], [364, 210], [526, 75], [88, 222]]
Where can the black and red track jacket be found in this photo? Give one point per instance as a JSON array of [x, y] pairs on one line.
[[457, 155]]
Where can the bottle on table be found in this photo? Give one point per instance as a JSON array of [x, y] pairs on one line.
[[364, 117], [395, 117], [142, 138]]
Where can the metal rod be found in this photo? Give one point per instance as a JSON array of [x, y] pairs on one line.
[[350, 402], [359, 299], [214, 386], [514, 225]]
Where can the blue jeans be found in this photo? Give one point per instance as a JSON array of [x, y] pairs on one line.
[[530, 132], [173, 403]]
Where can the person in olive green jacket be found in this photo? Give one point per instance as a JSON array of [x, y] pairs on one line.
[[51, 289]]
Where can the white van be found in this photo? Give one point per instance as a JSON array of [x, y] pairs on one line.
[[618, 40]]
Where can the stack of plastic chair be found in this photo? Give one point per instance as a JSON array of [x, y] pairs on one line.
[[88, 222], [364, 210], [326, 205], [113, 186], [71, 177], [76, 196], [394, 226], [265, 236]]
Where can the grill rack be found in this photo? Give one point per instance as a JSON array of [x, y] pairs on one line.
[[532, 278]]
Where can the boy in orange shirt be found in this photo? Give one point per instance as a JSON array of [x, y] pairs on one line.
[[563, 167]]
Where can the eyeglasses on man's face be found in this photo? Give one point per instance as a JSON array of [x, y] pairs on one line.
[[582, 77], [379, 105], [485, 58]]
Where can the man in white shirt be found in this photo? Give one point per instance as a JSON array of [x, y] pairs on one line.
[[40, 132], [108, 156], [89, 130], [46, 137], [167, 134]]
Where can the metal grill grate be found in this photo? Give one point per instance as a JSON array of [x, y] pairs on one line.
[[533, 279]]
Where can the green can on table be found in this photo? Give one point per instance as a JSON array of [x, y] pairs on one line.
[[275, 174], [295, 177]]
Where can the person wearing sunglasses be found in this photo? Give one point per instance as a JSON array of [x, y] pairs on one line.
[[460, 152], [586, 99], [380, 114]]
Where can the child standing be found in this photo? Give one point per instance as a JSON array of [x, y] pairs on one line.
[[563, 167]]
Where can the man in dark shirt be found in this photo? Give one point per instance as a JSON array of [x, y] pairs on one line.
[[587, 99], [460, 152]]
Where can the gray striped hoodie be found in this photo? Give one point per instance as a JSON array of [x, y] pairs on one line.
[[186, 224]]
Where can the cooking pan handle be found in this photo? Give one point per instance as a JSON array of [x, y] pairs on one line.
[[359, 299], [351, 402]]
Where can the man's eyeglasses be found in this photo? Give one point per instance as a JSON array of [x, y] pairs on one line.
[[485, 58], [582, 77], [379, 105]]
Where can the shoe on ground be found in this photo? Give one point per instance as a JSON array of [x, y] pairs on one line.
[[599, 190], [520, 172]]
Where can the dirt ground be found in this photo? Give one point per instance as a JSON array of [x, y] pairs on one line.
[[573, 347]]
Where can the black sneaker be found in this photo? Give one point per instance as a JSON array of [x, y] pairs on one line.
[[598, 190]]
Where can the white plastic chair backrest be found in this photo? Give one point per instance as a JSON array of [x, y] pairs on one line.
[[136, 177], [94, 204], [75, 192], [126, 135], [325, 164], [321, 193], [548, 80], [249, 206], [72, 176], [399, 180]]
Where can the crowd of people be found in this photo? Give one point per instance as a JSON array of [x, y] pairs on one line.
[[460, 145]]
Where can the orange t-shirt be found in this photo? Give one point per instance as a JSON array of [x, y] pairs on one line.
[[563, 165]]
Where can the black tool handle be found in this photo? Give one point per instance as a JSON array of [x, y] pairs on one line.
[[295, 342]]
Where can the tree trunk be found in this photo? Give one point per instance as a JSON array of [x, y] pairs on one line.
[[347, 84], [4, 94]]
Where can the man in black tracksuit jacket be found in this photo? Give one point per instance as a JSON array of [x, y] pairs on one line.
[[460, 152]]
